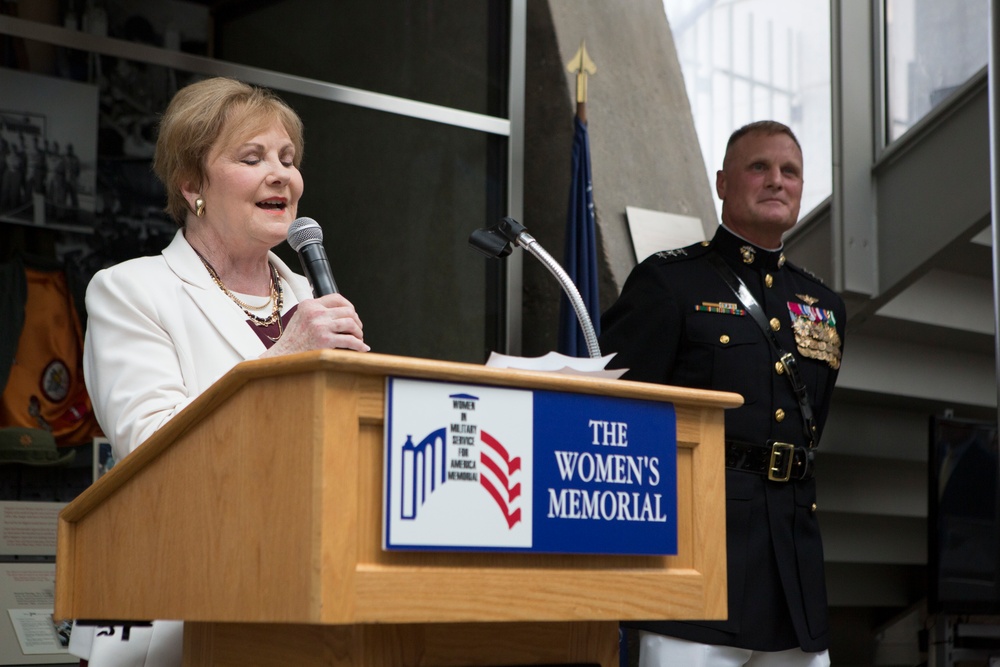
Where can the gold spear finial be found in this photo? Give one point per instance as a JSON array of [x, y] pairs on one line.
[[582, 65]]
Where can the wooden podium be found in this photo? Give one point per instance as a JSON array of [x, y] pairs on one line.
[[255, 516]]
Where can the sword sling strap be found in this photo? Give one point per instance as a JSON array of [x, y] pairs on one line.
[[787, 359]]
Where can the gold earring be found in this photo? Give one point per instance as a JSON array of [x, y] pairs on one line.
[[199, 207]]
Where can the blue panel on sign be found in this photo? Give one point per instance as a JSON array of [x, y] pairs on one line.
[[605, 475]]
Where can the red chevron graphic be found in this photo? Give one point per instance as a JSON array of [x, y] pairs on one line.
[[513, 464], [512, 491], [512, 517]]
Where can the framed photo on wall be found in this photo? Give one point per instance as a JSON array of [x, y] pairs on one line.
[[48, 176]]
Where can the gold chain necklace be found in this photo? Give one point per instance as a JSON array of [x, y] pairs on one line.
[[276, 299]]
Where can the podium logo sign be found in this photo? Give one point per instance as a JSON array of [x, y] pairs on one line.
[[474, 467], [458, 466]]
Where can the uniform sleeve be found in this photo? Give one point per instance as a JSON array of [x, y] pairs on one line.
[[131, 363], [643, 327]]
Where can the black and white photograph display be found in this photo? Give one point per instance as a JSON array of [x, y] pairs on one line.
[[48, 153]]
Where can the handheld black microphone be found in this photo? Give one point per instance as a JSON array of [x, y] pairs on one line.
[[306, 238]]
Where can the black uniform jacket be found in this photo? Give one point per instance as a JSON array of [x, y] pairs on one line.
[[678, 323]]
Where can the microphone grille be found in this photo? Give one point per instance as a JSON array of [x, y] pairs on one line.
[[304, 231]]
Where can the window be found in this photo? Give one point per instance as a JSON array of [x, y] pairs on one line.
[[753, 60], [932, 48]]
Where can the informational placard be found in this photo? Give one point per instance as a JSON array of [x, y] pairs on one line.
[[474, 467], [28, 528], [28, 635], [653, 231]]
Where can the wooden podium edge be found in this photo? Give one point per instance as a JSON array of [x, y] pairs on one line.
[[372, 364]]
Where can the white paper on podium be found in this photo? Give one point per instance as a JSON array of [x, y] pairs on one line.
[[553, 362]]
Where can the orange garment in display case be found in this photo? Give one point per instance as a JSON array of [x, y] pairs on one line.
[[45, 388]]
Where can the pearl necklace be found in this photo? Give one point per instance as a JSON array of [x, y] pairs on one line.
[[275, 300]]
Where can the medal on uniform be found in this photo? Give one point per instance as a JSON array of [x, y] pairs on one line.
[[816, 334], [720, 307]]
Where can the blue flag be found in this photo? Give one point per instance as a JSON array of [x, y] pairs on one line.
[[580, 259]]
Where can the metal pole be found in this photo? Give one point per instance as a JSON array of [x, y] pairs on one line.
[[515, 169], [994, 110]]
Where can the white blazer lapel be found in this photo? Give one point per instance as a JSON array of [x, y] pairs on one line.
[[219, 310]]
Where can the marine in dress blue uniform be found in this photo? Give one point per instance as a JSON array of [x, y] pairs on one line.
[[677, 322]]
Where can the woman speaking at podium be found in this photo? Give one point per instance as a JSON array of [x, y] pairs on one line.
[[162, 329]]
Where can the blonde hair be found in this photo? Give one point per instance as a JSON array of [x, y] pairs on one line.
[[210, 113]]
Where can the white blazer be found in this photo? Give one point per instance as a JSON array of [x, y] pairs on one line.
[[160, 332]]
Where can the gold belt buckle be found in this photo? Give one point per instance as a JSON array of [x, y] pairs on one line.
[[782, 456]]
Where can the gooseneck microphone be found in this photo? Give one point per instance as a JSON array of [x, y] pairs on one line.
[[496, 242], [306, 238]]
